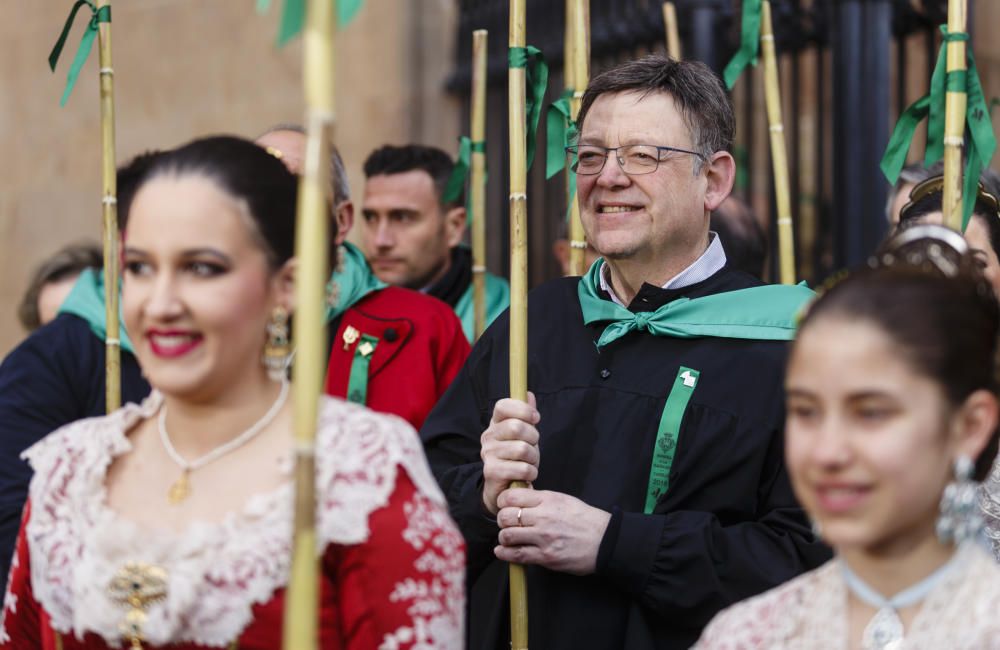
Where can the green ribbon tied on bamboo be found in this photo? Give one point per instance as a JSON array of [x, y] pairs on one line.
[[561, 133], [460, 173], [537, 76], [749, 43], [764, 313], [293, 16], [981, 143], [97, 16]]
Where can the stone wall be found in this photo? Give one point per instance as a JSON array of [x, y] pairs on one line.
[[186, 68]]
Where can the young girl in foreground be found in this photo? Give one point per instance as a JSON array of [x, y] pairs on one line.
[[892, 418], [170, 524]]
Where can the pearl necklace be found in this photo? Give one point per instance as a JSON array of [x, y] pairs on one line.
[[885, 630], [181, 488]]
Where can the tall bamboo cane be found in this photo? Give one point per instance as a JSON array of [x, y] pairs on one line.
[[578, 12], [109, 210], [477, 185], [301, 606], [516, 87], [572, 216], [779, 159], [673, 37], [954, 120]]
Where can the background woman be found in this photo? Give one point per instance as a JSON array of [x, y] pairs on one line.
[[892, 418], [170, 522]]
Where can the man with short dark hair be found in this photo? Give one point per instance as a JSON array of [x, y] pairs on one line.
[[653, 433], [391, 349], [412, 233]]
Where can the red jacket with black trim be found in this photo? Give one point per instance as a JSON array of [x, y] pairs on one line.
[[420, 349]]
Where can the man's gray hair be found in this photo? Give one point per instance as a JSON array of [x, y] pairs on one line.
[[341, 189], [699, 93]]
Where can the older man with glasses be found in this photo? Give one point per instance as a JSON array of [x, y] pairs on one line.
[[653, 433]]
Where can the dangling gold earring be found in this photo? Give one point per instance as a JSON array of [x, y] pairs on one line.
[[277, 350]]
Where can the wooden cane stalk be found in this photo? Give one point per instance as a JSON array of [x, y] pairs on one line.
[[477, 185], [580, 66], [309, 333], [109, 220], [954, 120], [568, 43], [516, 80], [779, 156], [673, 36]]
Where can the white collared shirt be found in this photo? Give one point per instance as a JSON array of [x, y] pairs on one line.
[[710, 263]]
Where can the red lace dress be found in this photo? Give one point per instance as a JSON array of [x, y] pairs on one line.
[[392, 562]]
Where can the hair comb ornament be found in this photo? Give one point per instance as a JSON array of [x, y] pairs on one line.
[[935, 185], [925, 246]]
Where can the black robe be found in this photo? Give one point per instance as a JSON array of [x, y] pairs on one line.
[[728, 526]]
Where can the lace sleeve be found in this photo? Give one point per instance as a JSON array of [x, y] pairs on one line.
[[403, 588], [20, 625]]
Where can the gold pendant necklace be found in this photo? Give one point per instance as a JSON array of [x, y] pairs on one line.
[[180, 489]]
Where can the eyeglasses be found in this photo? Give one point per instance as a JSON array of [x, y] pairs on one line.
[[634, 159]]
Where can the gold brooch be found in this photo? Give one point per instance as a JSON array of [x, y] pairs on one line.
[[135, 587], [350, 336]]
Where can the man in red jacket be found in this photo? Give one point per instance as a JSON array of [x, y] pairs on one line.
[[391, 349]]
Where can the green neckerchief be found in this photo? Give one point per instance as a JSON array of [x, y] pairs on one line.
[[497, 300], [355, 281], [764, 313], [86, 300]]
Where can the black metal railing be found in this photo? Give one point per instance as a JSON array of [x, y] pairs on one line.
[[846, 68]]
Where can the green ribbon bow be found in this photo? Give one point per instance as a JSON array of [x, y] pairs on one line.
[[355, 281], [766, 313], [560, 128], [749, 43], [561, 131], [293, 17], [98, 16], [460, 173], [982, 142], [537, 74]]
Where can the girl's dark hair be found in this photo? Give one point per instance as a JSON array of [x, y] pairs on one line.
[[937, 308], [245, 171]]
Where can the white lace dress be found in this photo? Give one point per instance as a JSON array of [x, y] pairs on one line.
[[810, 613], [392, 561]]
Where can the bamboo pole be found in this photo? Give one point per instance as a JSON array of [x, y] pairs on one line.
[[477, 186], [779, 156], [572, 234], [311, 233], [954, 121], [109, 219], [578, 12], [673, 37], [516, 85]]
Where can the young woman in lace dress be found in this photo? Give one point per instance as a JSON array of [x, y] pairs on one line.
[[891, 397], [170, 523]]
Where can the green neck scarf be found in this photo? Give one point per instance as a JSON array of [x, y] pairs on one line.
[[354, 281], [86, 300], [766, 313]]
